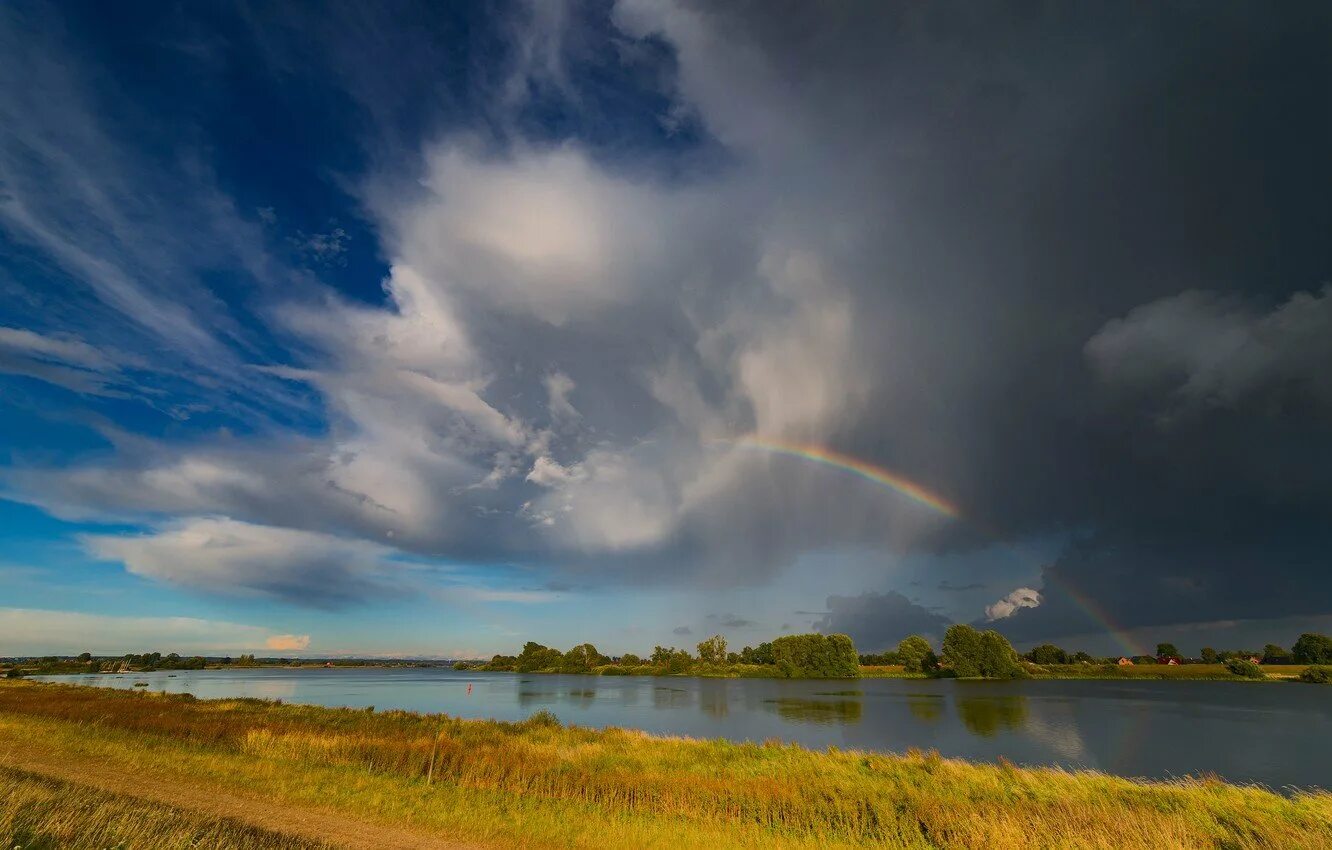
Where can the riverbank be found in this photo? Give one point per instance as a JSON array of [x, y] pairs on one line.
[[1169, 672], [538, 783]]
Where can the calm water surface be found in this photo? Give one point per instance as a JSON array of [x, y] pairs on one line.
[[1276, 734]]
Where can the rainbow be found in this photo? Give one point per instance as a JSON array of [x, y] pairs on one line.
[[900, 484], [877, 474]]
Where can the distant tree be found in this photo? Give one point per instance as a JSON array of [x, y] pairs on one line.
[[630, 660], [1047, 653], [1166, 650], [915, 654], [962, 650], [674, 660], [998, 658], [713, 650], [85, 657], [1082, 658], [762, 654], [1209, 655], [581, 659], [872, 659], [537, 657], [816, 656], [13, 673], [1313, 648], [973, 654], [1273, 654]]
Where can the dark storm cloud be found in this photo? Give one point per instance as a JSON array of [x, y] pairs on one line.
[[1065, 269], [959, 588], [731, 621], [879, 620]]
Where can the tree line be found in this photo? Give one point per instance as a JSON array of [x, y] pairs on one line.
[[916, 655], [807, 656]]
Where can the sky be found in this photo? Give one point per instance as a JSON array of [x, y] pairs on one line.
[[430, 329]]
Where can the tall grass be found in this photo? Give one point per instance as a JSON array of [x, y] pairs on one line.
[[40, 813], [629, 787]]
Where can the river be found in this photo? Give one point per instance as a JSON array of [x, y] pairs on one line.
[[1277, 734]]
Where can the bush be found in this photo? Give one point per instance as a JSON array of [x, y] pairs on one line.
[[612, 670], [1244, 668], [1317, 675], [542, 719], [13, 673]]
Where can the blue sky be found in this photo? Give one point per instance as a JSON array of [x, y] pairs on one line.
[[430, 330]]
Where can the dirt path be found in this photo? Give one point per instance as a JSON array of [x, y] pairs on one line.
[[331, 827]]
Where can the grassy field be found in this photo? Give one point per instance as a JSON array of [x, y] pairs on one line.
[[38, 812], [537, 783]]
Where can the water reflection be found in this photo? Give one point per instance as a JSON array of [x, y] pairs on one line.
[[927, 707], [816, 710], [664, 697], [527, 699], [714, 697], [986, 716]]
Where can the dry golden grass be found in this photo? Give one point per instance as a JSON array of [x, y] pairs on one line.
[[40, 813], [580, 787]]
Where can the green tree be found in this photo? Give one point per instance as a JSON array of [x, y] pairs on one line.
[[816, 656], [1166, 650], [630, 660], [999, 660], [1209, 655], [537, 657], [85, 657], [1273, 654], [713, 650], [674, 660], [580, 659], [915, 654], [1047, 653], [1313, 648], [762, 654], [962, 650]]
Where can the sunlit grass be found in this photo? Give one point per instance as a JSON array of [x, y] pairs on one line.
[[508, 783], [37, 813]]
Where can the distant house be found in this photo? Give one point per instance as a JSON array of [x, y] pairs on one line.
[[1125, 662], [1174, 661], [1167, 659], [1255, 659]]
